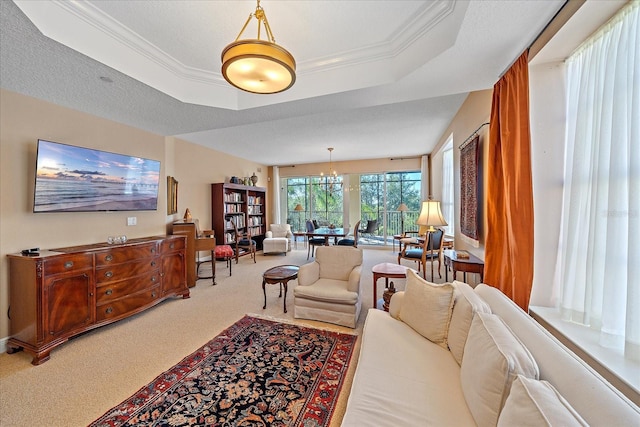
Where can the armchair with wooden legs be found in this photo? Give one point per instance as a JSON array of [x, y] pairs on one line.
[[351, 240], [428, 251]]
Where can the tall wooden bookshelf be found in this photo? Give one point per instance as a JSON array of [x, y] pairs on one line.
[[243, 204]]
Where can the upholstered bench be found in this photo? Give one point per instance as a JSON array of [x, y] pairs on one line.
[[224, 252]]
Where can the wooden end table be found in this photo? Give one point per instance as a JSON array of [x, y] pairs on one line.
[[473, 264], [388, 271], [280, 274]]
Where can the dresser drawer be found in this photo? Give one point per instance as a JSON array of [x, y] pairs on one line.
[[122, 307], [63, 264], [125, 254], [114, 290], [170, 245], [119, 272]]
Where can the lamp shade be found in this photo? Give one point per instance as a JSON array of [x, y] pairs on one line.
[[298, 208], [402, 208], [431, 215]]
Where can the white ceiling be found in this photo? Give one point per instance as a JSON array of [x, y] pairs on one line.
[[374, 78]]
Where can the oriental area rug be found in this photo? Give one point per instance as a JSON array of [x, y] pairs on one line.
[[257, 372]]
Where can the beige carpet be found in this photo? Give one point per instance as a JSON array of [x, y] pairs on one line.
[[93, 372]]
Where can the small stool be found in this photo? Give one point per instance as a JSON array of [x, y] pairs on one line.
[[224, 252]]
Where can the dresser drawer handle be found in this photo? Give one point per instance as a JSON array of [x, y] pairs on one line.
[[68, 264], [172, 245], [153, 294], [108, 292], [153, 263], [109, 310], [108, 274], [153, 278], [109, 257], [153, 250]]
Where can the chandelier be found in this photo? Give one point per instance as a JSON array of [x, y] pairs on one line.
[[258, 66], [331, 184]]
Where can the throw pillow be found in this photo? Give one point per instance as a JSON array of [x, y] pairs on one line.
[[493, 358], [427, 308], [466, 304], [534, 403]]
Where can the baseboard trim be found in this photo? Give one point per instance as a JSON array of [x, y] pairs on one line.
[[3, 345]]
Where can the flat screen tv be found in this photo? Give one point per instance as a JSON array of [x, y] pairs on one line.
[[76, 179]]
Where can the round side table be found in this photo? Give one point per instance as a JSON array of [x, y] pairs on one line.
[[280, 274], [386, 270]]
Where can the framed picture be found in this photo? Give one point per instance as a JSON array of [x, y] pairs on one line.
[[172, 195]]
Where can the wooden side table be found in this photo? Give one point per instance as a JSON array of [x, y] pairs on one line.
[[388, 271], [473, 264], [280, 274]]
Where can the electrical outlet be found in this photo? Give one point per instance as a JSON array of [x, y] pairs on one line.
[[132, 220]]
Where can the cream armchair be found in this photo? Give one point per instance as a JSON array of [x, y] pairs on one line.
[[277, 239], [329, 287]]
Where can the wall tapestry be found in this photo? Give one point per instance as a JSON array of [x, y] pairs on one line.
[[469, 160]]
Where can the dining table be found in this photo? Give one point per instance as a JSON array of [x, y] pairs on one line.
[[327, 233]]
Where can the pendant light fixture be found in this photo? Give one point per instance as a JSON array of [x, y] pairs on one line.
[[258, 66], [332, 183]]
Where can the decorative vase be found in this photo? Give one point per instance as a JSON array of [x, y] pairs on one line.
[[187, 215], [254, 179]]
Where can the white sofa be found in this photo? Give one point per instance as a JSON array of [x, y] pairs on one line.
[[404, 379], [277, 239]]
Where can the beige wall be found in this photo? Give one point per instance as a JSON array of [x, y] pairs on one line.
[[352, 167], [23, 120], [475, 111], [197, 167]]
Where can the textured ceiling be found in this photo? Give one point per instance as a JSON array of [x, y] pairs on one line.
[[375, 78]]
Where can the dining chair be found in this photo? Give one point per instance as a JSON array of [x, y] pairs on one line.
[[351, 240], [429, 251], [313, 241], [243, 242]]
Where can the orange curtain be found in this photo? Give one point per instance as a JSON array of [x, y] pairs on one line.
[[509, 245]]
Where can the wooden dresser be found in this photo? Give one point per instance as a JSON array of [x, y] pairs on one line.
[[63, 292]]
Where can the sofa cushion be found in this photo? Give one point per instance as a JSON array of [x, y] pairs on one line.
[[534, 403], [427, 308], [327, 290], [337, 262], [466, 304], [493, 357], [403, 379], [396, 304]]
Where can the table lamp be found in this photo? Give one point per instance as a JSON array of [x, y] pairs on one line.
[[431, 216], [298, 209], [402, 208]]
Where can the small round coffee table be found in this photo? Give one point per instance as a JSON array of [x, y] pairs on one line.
[[280, 274]]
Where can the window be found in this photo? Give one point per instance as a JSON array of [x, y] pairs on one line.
[[447, 202], [319, 200], [297, 194], [599, 254], [382, 194]]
